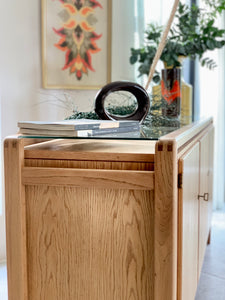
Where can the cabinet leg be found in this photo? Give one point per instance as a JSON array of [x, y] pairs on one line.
[[209, 238]]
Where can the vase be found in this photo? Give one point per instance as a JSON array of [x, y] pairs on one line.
[[186, 97], [186, 101], [171, 93]]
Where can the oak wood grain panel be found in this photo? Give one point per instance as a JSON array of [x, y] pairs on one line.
[[89, 243], [108, 165], [15, 220], [188, 225], [165, 221], [97, 150], [82, 177]]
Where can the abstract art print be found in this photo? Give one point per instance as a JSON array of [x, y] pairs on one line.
[[76, 43]]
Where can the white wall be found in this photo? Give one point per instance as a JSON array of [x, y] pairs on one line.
[[2, 204]]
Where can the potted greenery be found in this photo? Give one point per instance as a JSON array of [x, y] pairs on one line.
[[192, 34]]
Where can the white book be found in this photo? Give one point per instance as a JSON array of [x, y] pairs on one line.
[[77, 133], [77, 124]]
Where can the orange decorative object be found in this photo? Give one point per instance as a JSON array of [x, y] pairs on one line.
[[78, 37], [171, 94]]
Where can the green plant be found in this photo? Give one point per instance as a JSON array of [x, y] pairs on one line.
[[193, 33], [83, 115], [114, 110]]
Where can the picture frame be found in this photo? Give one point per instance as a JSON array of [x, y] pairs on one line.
[[76, 44]]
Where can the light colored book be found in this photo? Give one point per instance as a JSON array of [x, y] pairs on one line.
[[77, 133], [77, 124]]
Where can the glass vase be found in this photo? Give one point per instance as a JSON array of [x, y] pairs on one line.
[[171, 93]]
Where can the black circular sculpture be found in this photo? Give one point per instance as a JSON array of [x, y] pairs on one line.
[[137, 90]]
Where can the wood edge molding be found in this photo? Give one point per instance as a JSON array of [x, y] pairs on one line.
[[32, 142], [88, 156], [116, 179], [27, 141], [165, 223], [186, 147], [183, 135]]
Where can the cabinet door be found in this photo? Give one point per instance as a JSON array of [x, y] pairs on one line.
[[205, 193], [188, 225]]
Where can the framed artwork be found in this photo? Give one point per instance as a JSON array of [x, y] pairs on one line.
[[76, 43]]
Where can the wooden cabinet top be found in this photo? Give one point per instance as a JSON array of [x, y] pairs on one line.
[[109, 150]]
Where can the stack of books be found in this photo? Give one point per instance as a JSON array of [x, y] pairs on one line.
[[78, 128]]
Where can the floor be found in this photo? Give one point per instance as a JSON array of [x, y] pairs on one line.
[[3, 282], [212, 281]]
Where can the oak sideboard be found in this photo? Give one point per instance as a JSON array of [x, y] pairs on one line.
[[101, 219]]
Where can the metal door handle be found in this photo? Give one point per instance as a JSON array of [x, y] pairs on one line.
[[205, 196]]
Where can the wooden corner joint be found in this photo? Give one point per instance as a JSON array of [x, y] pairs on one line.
[[160, 147], [12, 141], [14, 144], [6, 144], [168, 146]]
